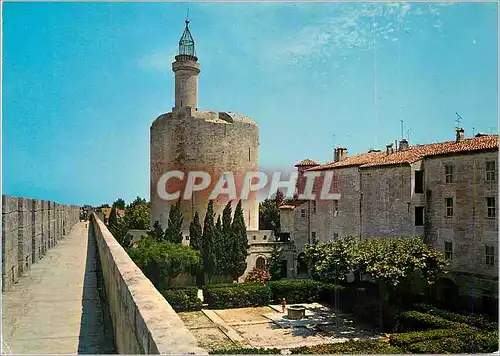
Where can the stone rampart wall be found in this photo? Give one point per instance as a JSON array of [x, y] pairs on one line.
[[29, 229]]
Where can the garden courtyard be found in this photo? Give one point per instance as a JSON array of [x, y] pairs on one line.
[[268, 327]]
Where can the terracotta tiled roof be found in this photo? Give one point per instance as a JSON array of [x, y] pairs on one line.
[[418, 152], [414, 153], [357, 160], [306, 162]]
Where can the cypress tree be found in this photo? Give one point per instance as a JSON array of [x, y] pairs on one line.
[[157, 232], [195, 233], [113, 217], [227, 240], [240, 243], [208, 242], [219, 248], [173, 233]]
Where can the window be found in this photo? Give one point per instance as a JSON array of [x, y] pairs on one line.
[[303, 213], [419, 182], [314, 206], [335, 184], [490, 203], [448, 174], [335, 207], [449, 207], [187, 238], [490, 255], [313, 235], [419, 216], [335, 236], [490, 171], [448, 250], [260, 262], [248, 154]]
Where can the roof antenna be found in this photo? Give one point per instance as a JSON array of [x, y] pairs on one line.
[[402, 129], [459, 118]]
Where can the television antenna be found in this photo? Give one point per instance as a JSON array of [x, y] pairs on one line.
[[458, 119]]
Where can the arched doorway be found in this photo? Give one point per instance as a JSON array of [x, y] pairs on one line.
[[302, 264], [260, 262]]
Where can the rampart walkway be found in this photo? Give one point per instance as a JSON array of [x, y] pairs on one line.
[[55, 308]]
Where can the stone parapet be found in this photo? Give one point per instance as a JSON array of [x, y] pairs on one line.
[[143, 321]]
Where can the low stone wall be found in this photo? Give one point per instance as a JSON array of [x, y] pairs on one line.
[[28, 230], [143, 321]]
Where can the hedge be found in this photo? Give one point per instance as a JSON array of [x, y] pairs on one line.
[[296, 290], [477, 320], [405, 339], [485, 342], [414, 320], [245, 351], [350, 347], [183, 298], [236, 295]]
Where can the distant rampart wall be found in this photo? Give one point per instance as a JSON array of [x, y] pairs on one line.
[[29, 228]]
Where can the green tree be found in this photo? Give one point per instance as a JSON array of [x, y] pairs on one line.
[[113, 217], [240, 243], [119, 204], [157, 232], [195, 233], [275, 262], [269, 213], [161, 262], [119, 231], [209, 258], [226, 241], [219, 249], [332, 261], [173, 233], [137, 214]]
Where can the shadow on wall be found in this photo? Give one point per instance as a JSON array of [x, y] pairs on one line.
[[96, 330]]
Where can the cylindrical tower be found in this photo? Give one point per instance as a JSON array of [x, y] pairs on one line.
[[188, 139]]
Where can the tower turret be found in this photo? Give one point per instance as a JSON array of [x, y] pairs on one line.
[[186, 69]]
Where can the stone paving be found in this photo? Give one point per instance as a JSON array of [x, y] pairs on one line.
[[268, 327], [55, 308]]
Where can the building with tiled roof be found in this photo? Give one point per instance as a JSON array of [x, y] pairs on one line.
[[444, 192]]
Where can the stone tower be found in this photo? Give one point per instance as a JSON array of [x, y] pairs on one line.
[[188, 139]]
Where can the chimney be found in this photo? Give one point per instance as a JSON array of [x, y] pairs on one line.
[[460, 135], [389, 150], [342, 152], [403, 145]]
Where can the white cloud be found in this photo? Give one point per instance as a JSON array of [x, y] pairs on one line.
[[160, 60], [358, 26]]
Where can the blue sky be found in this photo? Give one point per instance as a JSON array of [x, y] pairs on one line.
[[82, 82]]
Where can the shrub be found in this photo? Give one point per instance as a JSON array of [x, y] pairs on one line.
[[236, 295], [414, 320], [246, 351], [350, 347], [404, 339], [258, 275], [477, 320], [183, 299], [485, 342], [296, 290]]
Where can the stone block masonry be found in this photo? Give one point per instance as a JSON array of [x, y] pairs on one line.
[[29, 228]]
